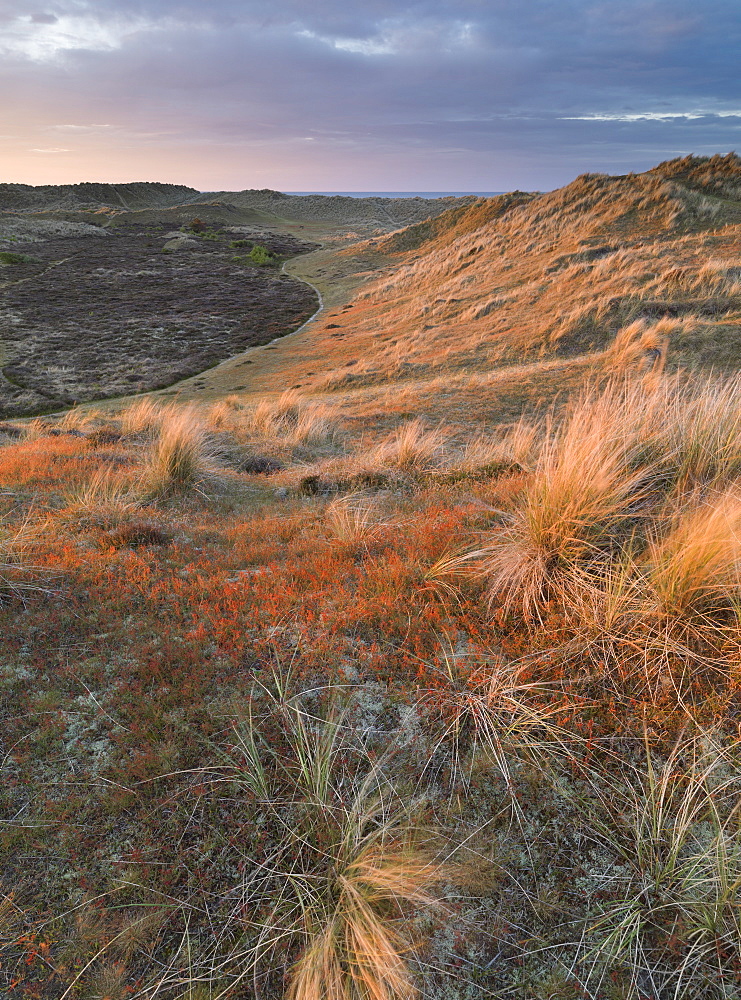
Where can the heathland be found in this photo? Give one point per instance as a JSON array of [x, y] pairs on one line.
[[387, 643]]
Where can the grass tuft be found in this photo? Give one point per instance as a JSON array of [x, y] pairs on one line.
[[145, 416], [411, 446], [694, 568], [352, 519], [668, 916], [178, 456], [581, 491], [343, 859], [16, 572], [292, 419]]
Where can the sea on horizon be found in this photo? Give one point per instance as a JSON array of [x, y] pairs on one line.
[[400, 194]]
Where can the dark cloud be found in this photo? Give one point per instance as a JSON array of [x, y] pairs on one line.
[[543, 88]]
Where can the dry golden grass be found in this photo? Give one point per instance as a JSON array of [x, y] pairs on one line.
[[509, 718], [353, 519], [713, 277], [178, 457], [11, 917], [225, 415], [616, 455], [517, 444], [109, 982], [412, 445], [34, 429], [703, 428], [693, 570], [18, 575], [144, 416], [344, 871], [630, 525], [291, 418], [534, 257], [356, 952], [106, 498], [643, 346], [581, 490], [79, 419]]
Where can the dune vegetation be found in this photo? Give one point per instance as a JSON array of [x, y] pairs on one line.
[[420, 679]]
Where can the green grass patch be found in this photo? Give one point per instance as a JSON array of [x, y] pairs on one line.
[[8, 258], [259, 255]]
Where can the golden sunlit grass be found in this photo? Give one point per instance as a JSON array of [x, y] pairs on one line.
[[704, 429], [602, 470], [517, 444], [179, 453], [225, 413], [79, 419], [713, 277], [693, 569], [538, 278], [142, 417], [105, 500], [580, 493], [643, 345], [412, 445], [292, 419], [357, 952]]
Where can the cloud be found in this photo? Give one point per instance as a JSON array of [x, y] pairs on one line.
[[80, 128], [46, 37], [396, 36], [553, 87], [651, 116]]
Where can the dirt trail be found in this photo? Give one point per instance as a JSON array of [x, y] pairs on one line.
[[334, 273]]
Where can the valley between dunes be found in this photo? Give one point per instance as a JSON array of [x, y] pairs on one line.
[[370, 582]]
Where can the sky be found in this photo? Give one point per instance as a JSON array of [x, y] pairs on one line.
[[436, 95]]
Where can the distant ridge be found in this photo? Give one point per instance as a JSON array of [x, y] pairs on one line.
[[343, 209], [175, 204], [92, 196], [425, 195]]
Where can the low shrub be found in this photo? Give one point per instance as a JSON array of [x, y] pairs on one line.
[[259, 254]]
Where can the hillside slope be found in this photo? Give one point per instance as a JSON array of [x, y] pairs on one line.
[[592, 277], [561, 273]]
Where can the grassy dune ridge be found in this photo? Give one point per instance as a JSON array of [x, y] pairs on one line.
[[546, 278], [422, 678]]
